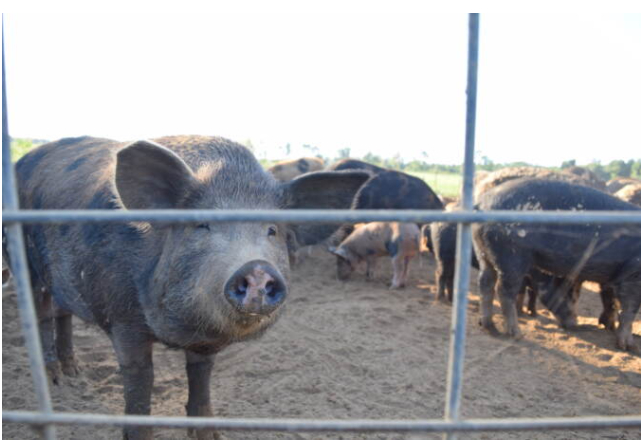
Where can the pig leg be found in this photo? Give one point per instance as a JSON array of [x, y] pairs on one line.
[[520, 299], [630, 299], [487, 282], [527, 289], [397, 264], [449, 284], [199, 402], [370, 267], [440, 280], [44, 310], [531, 304], [64, 343], [133, 347], [507, 288], [609, 315], [406, 270]]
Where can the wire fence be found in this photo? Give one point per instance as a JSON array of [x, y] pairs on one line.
[[46, 419]]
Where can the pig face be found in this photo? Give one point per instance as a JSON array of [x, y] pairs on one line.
[[345, 263], [210, 281], [557, 295]]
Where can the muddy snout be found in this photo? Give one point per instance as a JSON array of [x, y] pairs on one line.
[[257, 288]]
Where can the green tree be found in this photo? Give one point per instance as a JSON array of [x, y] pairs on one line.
[[635, 169], [344, 153], [373, 159], [619, 168], [568, 163]]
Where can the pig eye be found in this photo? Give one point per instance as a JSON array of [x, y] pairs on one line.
[[272, 231], [204, 226]]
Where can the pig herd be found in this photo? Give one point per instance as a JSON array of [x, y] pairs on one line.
[[201, 287]]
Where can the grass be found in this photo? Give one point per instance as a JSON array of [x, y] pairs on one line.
[[20, 147], [445, 184]]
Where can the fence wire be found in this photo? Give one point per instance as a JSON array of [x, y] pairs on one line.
[[46, 418]]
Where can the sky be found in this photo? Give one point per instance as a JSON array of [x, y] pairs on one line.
[[551, 87]]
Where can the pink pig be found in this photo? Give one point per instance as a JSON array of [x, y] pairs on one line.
[[372, 240]]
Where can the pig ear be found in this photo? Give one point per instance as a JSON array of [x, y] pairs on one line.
[[324, 190], [321, 190], [150, 176]]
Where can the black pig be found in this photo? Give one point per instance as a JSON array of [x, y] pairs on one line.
[[197, 287], [440, 239], [606, 254]]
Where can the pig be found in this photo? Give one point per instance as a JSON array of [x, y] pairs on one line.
[[614, 185], [496, 178], [197, 287], [593, 181], [355, 164], [630, 193], [390, 189], [372, 240], [288, 169], [606, 254], [440, 240]]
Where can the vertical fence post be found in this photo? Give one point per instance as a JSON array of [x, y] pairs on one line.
[[15, 246], [464, 240]]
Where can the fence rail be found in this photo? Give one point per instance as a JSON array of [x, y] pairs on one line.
[[320, 216], [46, 418], [314, 425]]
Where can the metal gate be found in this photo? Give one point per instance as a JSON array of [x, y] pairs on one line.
[[46, 418]]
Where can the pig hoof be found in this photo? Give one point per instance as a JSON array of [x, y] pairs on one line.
[[515, 334], [521, 313], [489, 327], [628, 345], [393, 287], [6, 277], [136, 433], [70, 367], [570, 325], [608, 321], [203, 434], [53, 372]]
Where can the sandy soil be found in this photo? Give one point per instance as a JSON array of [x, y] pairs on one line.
[[358, 350]]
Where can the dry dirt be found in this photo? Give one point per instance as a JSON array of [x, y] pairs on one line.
[[358, 350]]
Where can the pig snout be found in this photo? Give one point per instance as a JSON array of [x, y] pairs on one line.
[[257, 288]]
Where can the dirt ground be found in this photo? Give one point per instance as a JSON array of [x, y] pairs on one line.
[[358, 350]]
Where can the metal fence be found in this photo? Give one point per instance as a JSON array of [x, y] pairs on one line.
[[45, 418]]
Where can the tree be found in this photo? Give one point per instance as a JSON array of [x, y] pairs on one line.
[[619, 168], [344, 153], [635, 170], [312, 149], [373, 159], [568, 163]]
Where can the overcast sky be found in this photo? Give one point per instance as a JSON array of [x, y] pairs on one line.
[[551, 87]]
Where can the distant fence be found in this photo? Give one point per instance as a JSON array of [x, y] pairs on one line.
[[46, 418]]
